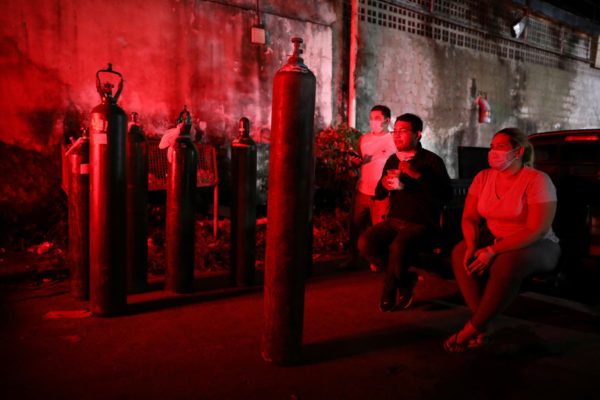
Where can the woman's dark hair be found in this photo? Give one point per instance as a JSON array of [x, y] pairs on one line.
[[519, 139]]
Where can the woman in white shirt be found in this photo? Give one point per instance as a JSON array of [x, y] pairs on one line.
[[518, 204]]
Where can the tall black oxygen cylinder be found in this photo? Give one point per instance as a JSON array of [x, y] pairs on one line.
[[108, 130], [137, 207], [243, 210], [289, 209], [78, 164], [180, 231]]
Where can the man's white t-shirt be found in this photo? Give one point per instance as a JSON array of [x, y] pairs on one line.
[[375, 150], [507, 214]]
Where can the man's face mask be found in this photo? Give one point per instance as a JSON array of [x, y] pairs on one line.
[[378, 122], [501, 159]]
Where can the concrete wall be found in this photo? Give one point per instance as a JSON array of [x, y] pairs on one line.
[[170, 52], [198, 52], [439, 81]]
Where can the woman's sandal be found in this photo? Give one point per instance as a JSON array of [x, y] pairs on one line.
[[452, 345], [479, 341]]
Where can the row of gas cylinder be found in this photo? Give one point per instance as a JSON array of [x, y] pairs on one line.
[[117, 205], [107, 186]]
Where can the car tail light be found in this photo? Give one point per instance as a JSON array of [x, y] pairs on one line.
[[585, 138]]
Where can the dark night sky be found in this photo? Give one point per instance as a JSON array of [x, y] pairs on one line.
[[589, 9]]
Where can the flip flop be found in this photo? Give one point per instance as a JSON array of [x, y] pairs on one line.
[[451, 345], [479, 341]]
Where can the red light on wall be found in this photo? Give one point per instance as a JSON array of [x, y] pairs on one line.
[[586, 138]]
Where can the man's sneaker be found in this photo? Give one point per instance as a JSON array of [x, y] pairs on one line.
[[406, 293], [388, 299]]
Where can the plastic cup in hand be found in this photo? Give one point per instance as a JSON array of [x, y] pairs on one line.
[[393, 177], [394, 173]]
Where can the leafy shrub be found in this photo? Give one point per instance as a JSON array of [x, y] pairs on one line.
[[335, 175]]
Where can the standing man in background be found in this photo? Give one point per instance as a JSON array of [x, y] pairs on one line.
[[375, 147]]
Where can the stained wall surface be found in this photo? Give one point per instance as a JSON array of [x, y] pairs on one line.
[[198, 52], [413, 64], [170, 52]]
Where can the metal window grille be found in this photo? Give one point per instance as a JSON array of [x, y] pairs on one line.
[[543, 34], [577, 44], [454, 22]]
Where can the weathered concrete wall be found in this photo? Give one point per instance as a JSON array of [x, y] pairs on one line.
[[170, 52], [440, 81]]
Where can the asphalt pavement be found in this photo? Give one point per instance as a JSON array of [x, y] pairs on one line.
[[206, 345]]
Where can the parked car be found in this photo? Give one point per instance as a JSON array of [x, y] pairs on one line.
[[572, 159]]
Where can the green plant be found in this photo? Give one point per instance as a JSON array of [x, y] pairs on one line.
[[335, 175]]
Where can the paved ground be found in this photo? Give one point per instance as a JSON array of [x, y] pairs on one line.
[[207, 346]]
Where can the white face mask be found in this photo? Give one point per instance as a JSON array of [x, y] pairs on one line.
[[501, 159], [378, 125]]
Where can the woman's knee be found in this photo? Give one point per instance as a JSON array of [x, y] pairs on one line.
[[542, 256], [513, 265]]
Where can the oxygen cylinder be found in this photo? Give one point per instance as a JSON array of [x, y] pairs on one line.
[[137, 207], [108, 130], [243, 210], [78, 163], [180, 231], [289, 209]]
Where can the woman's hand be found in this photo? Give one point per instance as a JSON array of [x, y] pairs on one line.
[[482, 259], [468, 257]]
